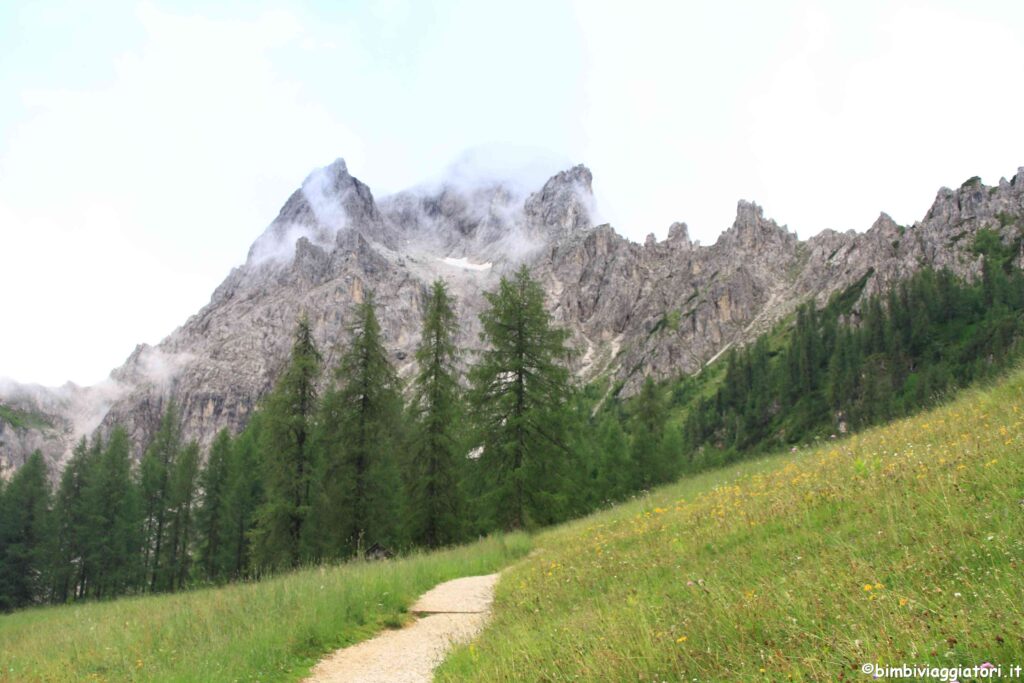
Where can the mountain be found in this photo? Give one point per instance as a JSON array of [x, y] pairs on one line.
[[658, 309]]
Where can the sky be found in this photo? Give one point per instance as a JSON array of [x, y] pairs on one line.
[[145, 145]]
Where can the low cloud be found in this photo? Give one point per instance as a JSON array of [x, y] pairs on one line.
[[325, 218]]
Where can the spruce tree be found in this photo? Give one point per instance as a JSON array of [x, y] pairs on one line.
[[436, 505], [360, 420], [24, 536], [287, 456], [520, 386]]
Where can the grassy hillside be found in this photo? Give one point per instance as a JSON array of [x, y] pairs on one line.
[[904, 544], [268, 631]]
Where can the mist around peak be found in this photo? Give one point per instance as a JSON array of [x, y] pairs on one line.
[[480, 205]]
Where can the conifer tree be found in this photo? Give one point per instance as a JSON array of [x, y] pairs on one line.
[[24, 536], [360, 422], [114, 511], [211, 518], [71, 524], [156, 468], [243, 497], [287, 456], [181, 497], [520, 386], [436, 505], [615, 469], [648, 454]]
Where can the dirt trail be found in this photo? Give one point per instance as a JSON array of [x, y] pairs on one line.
[[450, 613]]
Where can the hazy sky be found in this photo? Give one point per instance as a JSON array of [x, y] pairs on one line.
[[144, 146]]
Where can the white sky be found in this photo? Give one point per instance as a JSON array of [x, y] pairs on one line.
[[144, 146]]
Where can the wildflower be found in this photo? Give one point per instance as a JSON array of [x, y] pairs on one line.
[[681, 639], [903, 602], [867, 587]]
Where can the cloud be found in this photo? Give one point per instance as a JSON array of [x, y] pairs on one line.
[[824, 112], [123, 205], [519, 168], [85, 407], [841, 130], [159, 368], [327, 204]]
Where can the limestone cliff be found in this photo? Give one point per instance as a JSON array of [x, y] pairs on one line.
[[657, 309]]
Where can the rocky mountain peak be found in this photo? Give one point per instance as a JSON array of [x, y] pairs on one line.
[[329, 202], [565, 204], [975, 200], [679, 236], [751, 229], [632, 311], [885, 225]]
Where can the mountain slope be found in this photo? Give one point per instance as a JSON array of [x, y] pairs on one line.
[[900, 545], [657, 309], [761, 565]]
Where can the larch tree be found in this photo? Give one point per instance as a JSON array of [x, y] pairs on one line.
[[519, 390], [24, 536], [114, 510], [436, 504], [287, 456], [242, 498], [211, 520], [155, 471], [71, 524], [181, 499], [360, 426]]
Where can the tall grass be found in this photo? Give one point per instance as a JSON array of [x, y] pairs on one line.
[[904, 544], [273, 630]]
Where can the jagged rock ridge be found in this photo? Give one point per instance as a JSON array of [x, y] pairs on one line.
[[634, 310]]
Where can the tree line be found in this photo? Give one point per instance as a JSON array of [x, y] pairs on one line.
[[836, 371], [367, 466], [371, 466]]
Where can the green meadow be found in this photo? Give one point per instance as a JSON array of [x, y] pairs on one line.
[[272, 630], [903, 544]]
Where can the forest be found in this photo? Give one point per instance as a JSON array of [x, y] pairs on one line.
[[830, 370], [373, 466]]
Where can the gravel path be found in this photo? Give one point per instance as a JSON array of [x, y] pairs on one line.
[[450, 613]]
